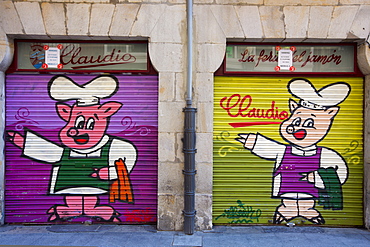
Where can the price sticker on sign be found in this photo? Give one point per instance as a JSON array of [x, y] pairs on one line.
[[285, 59], [52, 57]]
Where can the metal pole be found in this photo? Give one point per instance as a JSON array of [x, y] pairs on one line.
[[189, 135], [189, 170], [189, 88]]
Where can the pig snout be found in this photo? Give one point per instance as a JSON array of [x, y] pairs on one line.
[[290, 129], [72, 132], [78, 138], [299, 134]]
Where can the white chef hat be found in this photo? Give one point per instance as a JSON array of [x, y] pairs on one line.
[[330, 95], [62, 88]]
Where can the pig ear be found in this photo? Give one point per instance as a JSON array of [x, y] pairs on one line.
[[109, 108], [64, 111], [292, 105], [332, 111]]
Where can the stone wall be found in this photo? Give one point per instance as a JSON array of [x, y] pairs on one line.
[[163, 24]]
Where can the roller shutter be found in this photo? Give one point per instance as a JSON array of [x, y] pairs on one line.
[[49, 178], [265, 183]]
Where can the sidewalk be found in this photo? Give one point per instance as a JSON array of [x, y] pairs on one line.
[[144, 235]]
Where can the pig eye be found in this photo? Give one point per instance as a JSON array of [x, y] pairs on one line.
[[310, 123], [80, 122], [297, 121], [90, 124]]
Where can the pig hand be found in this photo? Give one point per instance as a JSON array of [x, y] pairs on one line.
[[102, 173], [248, 140], [308, 176], [16, 139]]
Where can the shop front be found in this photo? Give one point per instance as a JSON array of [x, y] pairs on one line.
[[288, 135], [82, 133]]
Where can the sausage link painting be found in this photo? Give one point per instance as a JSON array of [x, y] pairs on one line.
[[91, 162], [310, 166]]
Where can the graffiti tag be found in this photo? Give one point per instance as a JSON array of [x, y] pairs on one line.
[[241, 214], [136, 215]]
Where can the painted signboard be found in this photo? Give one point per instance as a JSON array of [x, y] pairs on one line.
[[84, 56], [264, 58], [288, 150]]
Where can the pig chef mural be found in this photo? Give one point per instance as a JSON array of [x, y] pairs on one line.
[[91, 163], [310, 166]]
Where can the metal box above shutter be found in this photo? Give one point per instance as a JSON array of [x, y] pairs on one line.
[[288, 150], [81, 148]]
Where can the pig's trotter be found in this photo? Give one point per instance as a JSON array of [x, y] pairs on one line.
[[318, 220], [115, 217], [104, 213], [278, 218], [54, 215], [63, 212]]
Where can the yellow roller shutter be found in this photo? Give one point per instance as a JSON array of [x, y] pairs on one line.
[[278, 160]]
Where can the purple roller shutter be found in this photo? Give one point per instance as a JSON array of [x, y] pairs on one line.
[[125, 192]]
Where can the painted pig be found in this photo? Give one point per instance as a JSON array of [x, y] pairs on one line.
[[99, 163], [301, 165], [86, 125]]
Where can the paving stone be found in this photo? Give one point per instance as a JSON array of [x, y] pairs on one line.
[[6, 228], [187, 240], [225, 236], [285, 229], [74, 228]]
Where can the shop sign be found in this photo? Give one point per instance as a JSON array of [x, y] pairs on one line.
[[82, 56], [270, 58]]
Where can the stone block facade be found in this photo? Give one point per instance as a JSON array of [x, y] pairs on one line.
[[163, 25]]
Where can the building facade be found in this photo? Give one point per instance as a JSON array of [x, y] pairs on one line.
[[217, 25]]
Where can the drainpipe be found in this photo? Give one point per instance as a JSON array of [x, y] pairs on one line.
[[189, 134]]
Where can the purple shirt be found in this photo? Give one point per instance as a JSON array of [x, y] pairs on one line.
[[291, 168]]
